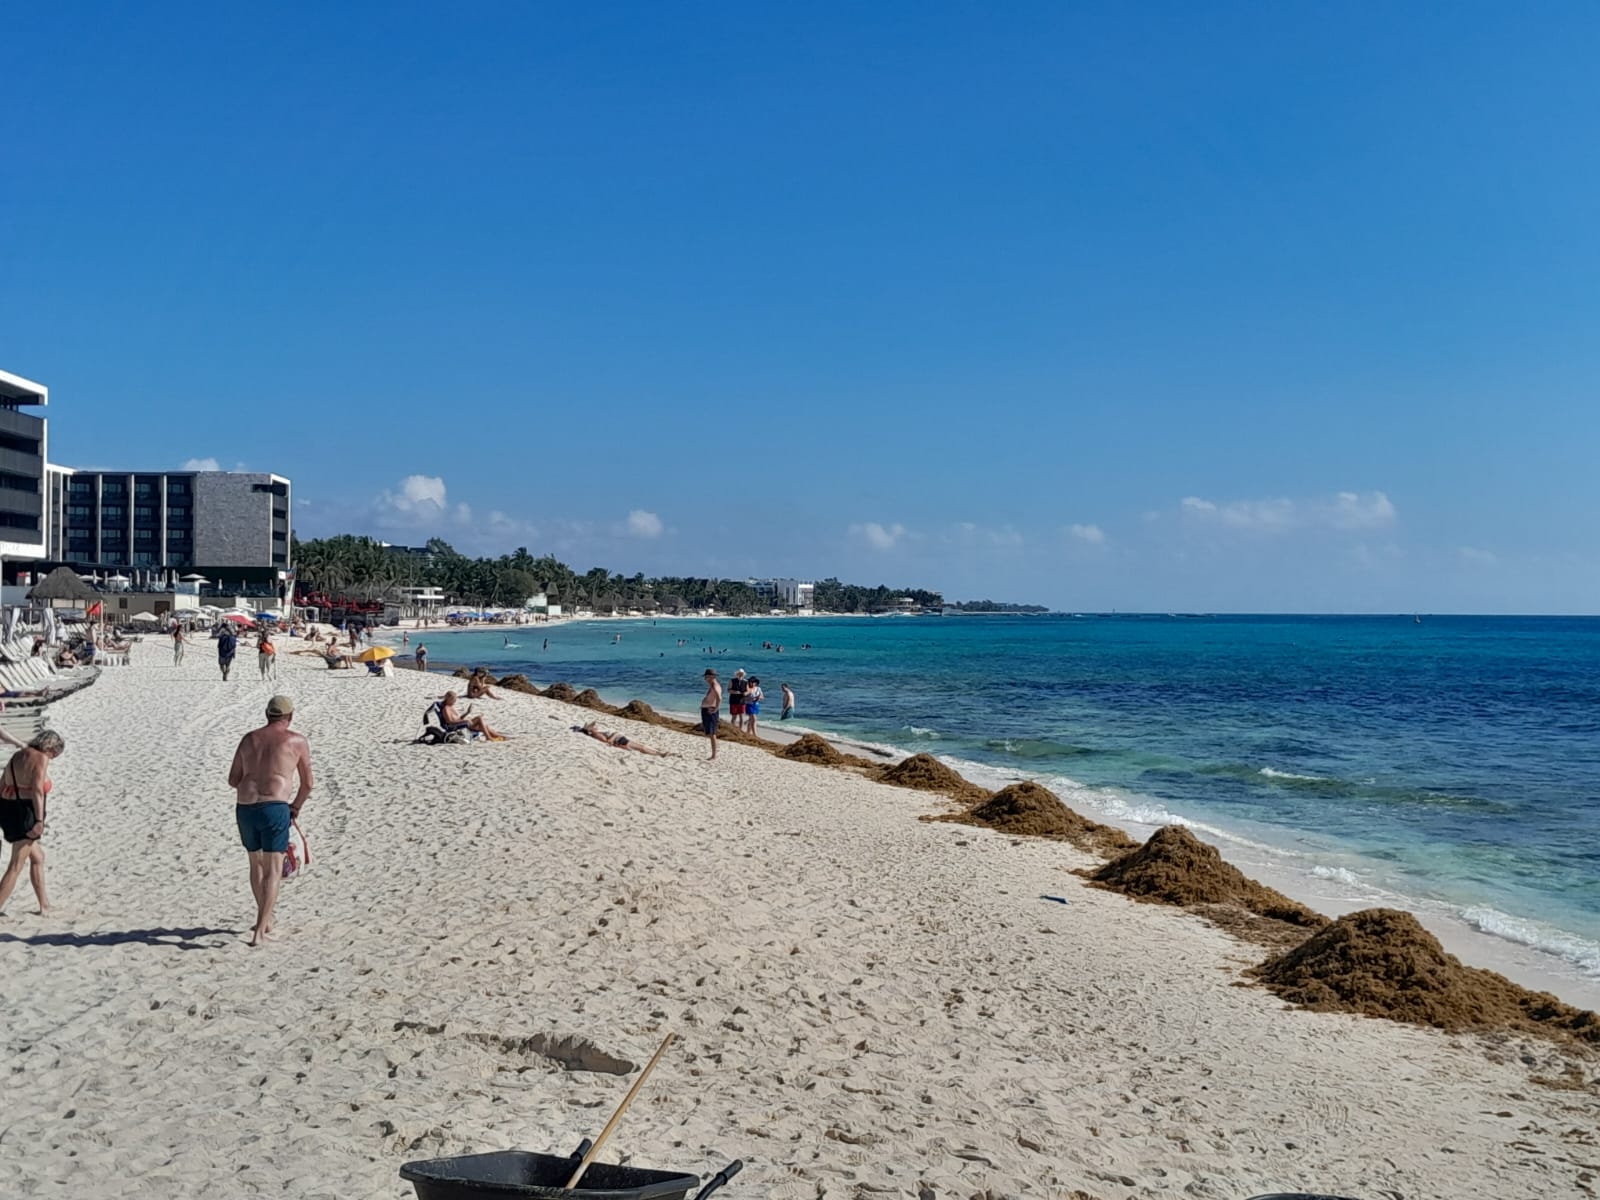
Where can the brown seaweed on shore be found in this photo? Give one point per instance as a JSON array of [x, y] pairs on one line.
[[563, 692], [517, 682], [590, 699], [638, 710], [1380, 962], [812, 749], [1175, 867], [1029, 810], [926, 773]]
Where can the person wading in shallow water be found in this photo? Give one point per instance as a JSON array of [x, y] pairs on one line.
[[264, 769]]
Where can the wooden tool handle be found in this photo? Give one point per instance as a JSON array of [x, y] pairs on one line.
[[617, 1116]]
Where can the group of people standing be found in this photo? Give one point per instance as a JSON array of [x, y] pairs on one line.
[[744, 704]]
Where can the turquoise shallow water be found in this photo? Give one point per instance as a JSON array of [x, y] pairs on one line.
[[1450, 762]]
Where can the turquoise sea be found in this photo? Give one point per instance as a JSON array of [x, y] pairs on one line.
[[1449, 762]]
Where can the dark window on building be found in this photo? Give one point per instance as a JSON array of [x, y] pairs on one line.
[[177, 487], [144, 535], [18, 521], [18, 483], [22, 445], [113, 512], [143, 511], [274, 489], [177, 513], [79, 510]]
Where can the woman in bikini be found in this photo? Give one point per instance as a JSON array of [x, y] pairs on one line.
[[24, 784], [618, 740]]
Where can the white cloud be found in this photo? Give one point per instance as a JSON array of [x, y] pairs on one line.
[[1474, 557], [879, 537], [1343, 510], [420, 502], [642, 524], [1357, 510], [971, 534], [201, 464], [1092, 534]]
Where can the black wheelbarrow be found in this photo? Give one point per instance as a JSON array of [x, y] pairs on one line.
[[524, 1175]]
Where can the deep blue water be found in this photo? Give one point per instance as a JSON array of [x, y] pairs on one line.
[[1451, 761]]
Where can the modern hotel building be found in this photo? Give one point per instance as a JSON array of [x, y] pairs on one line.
[[230, 526]]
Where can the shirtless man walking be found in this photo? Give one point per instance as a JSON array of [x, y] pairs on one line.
[[264, 768], [711, 709]]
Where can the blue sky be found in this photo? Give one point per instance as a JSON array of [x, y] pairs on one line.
[[1200, 307]]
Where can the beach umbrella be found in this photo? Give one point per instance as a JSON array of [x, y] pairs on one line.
[[375, 654], [144, 618], [62, 584], [268, 616], [237, 618]]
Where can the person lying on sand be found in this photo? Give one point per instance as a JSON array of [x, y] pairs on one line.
[[617, 740], [478, 685], [452, 720]]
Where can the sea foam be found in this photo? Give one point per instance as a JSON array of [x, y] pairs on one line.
[[1582, 953]]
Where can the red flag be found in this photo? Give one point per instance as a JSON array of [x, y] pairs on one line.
[[94, 609]]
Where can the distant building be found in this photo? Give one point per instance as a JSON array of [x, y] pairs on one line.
[[24, 446], [792, 593], [232, 527], [421, 554]]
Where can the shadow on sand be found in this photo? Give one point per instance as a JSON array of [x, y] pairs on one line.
[[177, 939]]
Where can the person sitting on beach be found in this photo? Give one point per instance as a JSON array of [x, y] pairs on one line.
[[23, 787], [451, 720], [478, 685], [333, 658], [617, 740]]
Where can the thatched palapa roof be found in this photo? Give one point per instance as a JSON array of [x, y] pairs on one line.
[[63, 584]]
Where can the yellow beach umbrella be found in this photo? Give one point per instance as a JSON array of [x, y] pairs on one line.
[[375, 654]]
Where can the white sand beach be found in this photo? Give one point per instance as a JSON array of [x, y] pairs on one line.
[[869, 1005]]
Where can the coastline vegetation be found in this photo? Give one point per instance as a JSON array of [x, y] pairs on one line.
[[368, 569]]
